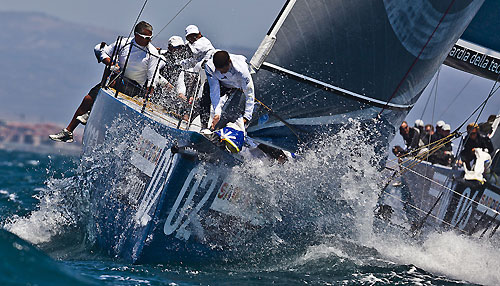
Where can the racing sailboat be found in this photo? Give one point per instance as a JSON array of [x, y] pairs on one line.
[[449, 197], [160, 191]]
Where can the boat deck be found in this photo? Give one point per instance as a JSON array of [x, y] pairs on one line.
[[155, 112]]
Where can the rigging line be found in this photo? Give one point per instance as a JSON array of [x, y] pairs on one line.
[[172, 18], [431, 145], [420, 157], [416, 160], [279, 118], [417, 58], [428, 98], [435, 96], [456, 97], [448, 188], [492, 92], [138, 16], [482, 106]]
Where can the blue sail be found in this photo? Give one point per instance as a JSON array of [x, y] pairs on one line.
[[324, 62]]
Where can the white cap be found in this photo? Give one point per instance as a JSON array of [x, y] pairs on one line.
[[440, 123], [419, 123], [446, 127], [175, 41], [191, 29]]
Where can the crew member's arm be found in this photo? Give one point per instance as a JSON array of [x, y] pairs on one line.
[[106, 54], [153, 68], [214, 84], [181, 86], [248, 90]]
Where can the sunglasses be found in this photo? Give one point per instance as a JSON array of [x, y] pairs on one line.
[[144, 36]]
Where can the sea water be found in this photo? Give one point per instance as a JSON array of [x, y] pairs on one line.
[[44, 238]]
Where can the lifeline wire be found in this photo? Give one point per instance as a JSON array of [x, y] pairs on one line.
[[449, 189], [421, 210]]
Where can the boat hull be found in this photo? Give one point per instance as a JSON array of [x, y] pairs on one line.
[[152, 199], [436, 197]]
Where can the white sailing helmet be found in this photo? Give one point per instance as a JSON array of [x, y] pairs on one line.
[[419, 123], [440, 124], [175, 41], [192, 29], [446, 127]]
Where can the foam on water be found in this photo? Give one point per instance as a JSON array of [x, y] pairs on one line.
[[56, 212], [450, 254], [343, 170], [336, 185]]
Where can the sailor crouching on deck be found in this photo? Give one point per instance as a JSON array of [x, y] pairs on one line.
[[140, 70], [228, 77]]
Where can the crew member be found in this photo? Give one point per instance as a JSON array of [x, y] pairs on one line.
[[138, 73], [419, 124], [474, 140], [411, 136], [201, 49], [228, 76], [171, 72]]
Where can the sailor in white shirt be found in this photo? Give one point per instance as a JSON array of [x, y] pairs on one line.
[[227, 71], [200, 46], [140, 69], [143, 58]]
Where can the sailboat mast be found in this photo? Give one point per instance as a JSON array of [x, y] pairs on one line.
[[268, 42]]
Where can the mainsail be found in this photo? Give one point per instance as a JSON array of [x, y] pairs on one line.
[[323, 62], [477, 51]]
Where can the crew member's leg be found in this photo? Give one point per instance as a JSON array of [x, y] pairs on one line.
[[205, 106], [85, 106], [66, 135], [232, 109]]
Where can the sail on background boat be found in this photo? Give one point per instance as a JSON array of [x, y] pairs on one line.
[[477, 51], [323, 62]]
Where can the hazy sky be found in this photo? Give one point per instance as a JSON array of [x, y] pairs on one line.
[[244, 24], [241, 23]]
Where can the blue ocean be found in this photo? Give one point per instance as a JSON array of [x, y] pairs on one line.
[[45, 240]]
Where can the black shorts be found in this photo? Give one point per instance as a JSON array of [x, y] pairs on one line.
[[123, 85]]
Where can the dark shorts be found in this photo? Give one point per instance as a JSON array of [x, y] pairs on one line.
[[123, 85]]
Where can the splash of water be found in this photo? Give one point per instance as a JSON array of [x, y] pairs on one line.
[[457, 256], [57, 212]]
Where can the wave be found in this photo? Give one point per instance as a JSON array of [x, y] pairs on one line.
[[24, 264], [328, 193]]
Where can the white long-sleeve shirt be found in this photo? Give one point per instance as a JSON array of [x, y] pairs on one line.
[[238, 76], [142, 63], [202, 49]]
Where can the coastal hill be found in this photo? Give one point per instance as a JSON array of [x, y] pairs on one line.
[[48, 66]]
